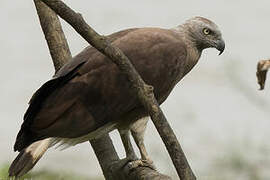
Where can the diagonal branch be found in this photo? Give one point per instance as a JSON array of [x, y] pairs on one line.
[[54, 35], [143, 91]]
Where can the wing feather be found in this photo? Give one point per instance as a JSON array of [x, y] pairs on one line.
[[97, 93]]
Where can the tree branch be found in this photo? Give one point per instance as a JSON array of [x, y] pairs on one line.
[[143, 91], [54, 35], [103, 147], [106, 155]]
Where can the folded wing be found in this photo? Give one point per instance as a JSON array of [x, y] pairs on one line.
[[90, 91]]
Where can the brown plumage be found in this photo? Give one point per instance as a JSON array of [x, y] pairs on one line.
[[90, 96]]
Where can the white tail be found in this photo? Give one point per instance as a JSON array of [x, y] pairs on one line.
[[28, 157]]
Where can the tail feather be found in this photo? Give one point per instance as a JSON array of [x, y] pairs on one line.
[[28, 157]]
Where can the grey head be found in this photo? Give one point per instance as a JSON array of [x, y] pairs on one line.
[[203, 33]]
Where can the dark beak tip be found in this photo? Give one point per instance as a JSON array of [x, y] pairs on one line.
[[221, 47], [220, 52]]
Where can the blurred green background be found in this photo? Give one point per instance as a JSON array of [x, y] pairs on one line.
[[46, 175], [217, 112]]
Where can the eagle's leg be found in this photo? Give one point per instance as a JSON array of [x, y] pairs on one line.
[[125, 136], [138, 130], [130, 154]]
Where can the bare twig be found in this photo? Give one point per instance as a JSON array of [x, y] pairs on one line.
[[103, 147], [262, 69], [144, 92]]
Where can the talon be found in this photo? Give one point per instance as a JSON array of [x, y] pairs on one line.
[[141, 163], [148, 160], [149, 163]]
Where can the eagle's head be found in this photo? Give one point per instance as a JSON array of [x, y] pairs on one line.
[[204, 34]]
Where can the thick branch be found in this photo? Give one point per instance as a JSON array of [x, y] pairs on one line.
[[144, 173], [106, 155], [144, 92], [54, 35]]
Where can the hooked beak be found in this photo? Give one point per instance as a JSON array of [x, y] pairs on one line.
[[220, 46]]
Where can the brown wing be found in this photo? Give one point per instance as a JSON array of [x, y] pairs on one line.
[[97, 92], [86, 54]]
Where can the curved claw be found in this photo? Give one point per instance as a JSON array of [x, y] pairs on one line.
[[141, 163]]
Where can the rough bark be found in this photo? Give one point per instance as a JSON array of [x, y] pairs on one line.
[[54, 35], [143, 91], [106, 155], [103, 147]]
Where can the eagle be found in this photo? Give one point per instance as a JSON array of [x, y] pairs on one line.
[[89, 96]]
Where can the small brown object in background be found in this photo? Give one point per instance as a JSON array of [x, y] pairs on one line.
[[262, 69]]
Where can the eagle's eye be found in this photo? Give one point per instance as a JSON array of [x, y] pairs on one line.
[[206, 31]]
